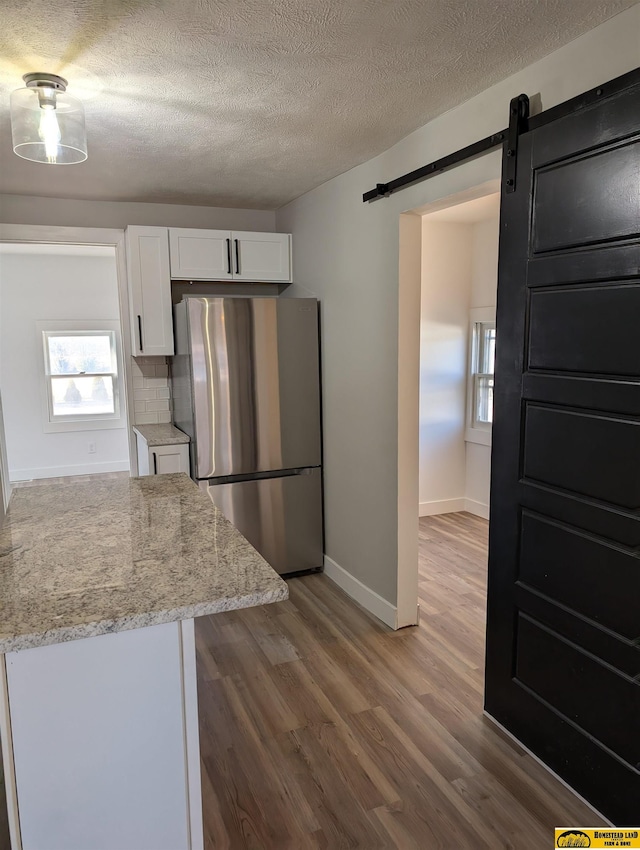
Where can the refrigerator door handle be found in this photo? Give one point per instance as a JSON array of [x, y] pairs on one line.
[[268, 475]]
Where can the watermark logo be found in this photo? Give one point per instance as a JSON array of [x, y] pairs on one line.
[[573, 838], [582, 836]]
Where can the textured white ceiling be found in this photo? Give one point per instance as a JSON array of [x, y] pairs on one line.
[[253, 102]]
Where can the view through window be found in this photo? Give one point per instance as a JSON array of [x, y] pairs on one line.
[[82, 373], [483, 369]]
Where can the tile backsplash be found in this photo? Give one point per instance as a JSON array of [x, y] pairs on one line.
[[151, 390]]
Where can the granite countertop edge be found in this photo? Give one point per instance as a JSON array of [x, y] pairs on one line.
[[65, 634], [173, 554], [163, 434]]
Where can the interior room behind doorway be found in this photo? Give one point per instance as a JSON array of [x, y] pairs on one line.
[[61, 375], [457, 340]]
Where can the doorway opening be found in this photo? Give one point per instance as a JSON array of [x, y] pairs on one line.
[[459, 275], [62, 362], [434, 396]]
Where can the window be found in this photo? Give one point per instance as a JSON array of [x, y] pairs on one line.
[[484, 359], [81, 375], [481, 375]]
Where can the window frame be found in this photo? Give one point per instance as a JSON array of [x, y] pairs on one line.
[[81, 421], [475, 431]]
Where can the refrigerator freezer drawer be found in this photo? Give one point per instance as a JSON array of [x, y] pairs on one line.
[[280, 517]]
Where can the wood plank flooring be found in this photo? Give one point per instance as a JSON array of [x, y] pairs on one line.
[[322, 728]]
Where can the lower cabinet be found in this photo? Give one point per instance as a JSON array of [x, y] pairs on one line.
[[104, 737], [156, 460]]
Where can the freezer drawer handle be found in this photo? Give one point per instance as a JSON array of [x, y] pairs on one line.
[[237, 256], [229, 255]]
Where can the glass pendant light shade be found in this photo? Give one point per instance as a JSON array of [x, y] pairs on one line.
[[47, 124]]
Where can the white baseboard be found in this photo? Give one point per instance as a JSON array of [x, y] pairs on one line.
[[363, 595], [443, 506], [76, 469], [477, 508]]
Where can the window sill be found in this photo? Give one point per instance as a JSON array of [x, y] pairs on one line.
[[481, 436], [88, 424]]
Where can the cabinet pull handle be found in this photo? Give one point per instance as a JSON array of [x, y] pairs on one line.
[[155, 463], [229, 255], [237, 256], [140, 331]]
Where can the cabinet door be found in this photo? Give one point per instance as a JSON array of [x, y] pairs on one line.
[[164, 459], [104, 741], [261, 256], [200, 254], [149, 290], [143, 455]]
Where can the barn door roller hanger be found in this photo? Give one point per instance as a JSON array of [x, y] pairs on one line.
[[518, 116]]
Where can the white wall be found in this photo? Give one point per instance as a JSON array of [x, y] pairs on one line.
[[347, 253], [5, 489], [23, 209], [41, 288], [444, 328], [484, 282], [485, 236], [459, 272]]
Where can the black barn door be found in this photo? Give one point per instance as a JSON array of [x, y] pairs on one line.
[[563, 631]]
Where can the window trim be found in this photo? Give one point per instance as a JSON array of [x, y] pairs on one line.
[[83, 422], [476, 432]]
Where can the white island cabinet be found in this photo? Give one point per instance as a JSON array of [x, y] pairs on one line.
[[100, 582], [99, 754]]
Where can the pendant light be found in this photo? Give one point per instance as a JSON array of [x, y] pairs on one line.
[[47, 124]]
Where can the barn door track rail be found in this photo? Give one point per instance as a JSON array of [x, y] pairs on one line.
[[518, 115], [519, 123]]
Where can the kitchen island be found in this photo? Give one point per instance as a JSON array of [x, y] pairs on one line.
[[99, 584]]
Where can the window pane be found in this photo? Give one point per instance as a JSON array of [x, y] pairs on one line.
[[487, 348], [69, 355], [82, 396], [484, 399]]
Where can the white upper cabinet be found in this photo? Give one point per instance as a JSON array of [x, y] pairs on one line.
[[149, 290], [261, 256], [158, 255], [229, 255], [200, 254]]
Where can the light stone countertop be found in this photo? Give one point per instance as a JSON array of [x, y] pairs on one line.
[[161, 435], [79, 559]]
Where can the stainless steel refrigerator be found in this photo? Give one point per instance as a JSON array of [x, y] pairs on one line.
[[246, 389]]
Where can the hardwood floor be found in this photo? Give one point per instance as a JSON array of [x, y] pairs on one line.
[[322, 728]]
